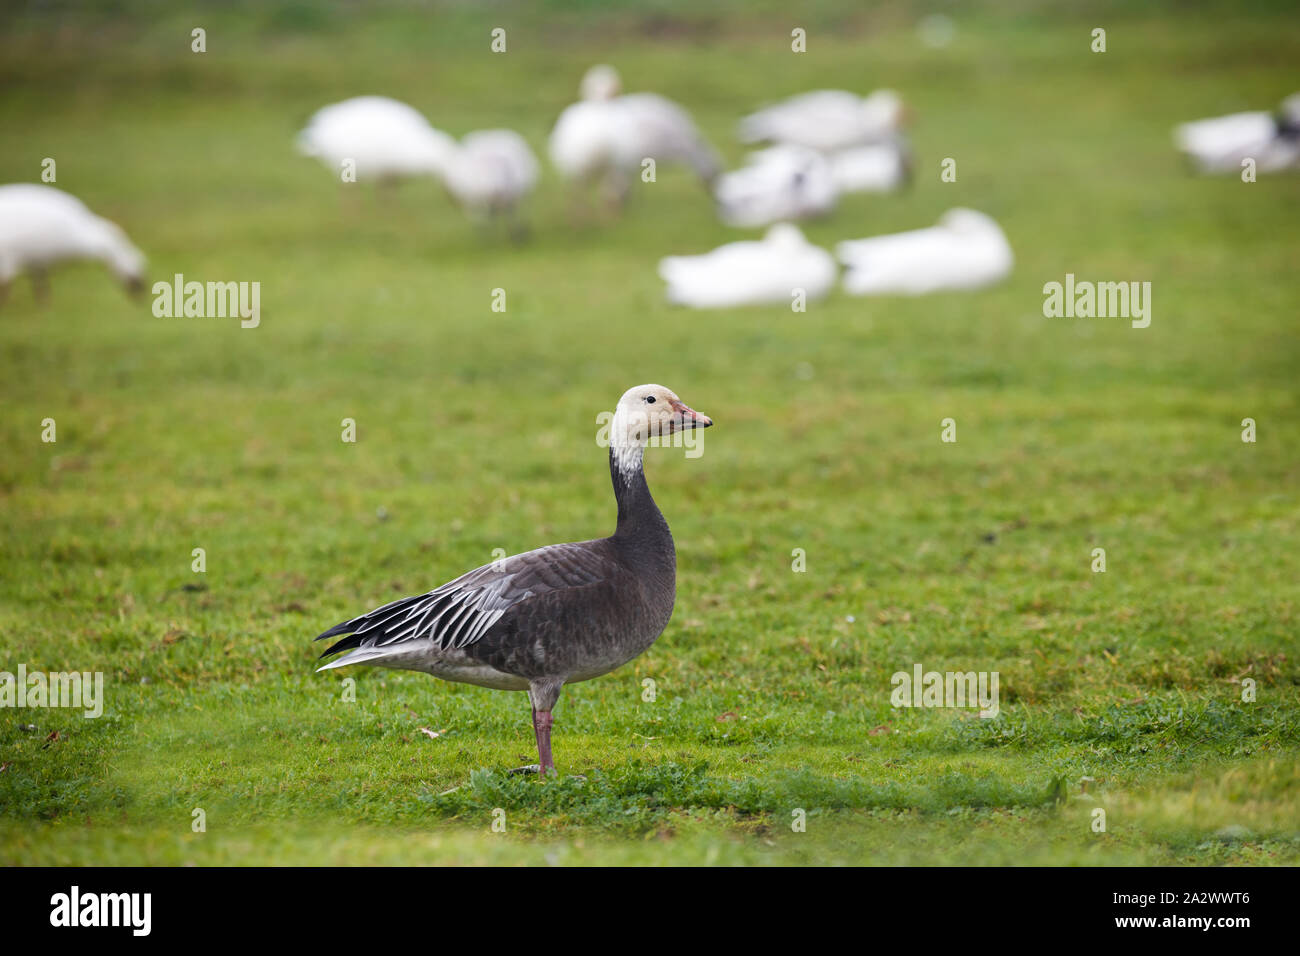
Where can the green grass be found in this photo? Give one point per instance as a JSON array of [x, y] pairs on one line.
[[1120, 691]]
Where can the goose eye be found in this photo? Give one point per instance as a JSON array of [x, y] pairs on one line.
[[650, 399]]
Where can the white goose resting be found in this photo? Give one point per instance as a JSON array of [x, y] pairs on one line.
[[872, 168], [605, 137], [751, 272], [780, 183], [41, 226], [966, 250], [558, 615], [1220, 145], [826, 120]]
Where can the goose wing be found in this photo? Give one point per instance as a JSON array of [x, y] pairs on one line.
[[650, 125], [461, 611]]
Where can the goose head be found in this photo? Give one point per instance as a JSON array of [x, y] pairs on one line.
[[646, 412], [1288, 116], [885, 108], [968, 222], [125, 261], [601, 82], [785, 236]]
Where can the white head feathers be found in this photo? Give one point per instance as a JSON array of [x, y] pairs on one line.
[[643, 413]]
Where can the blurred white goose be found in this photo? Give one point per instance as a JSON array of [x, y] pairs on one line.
[[487, 172], [966, 250], [826, 120], [1219, 145], [605, 137], [873, 168], [381, 138], [779, 184], [751, 272], [41, 226], [490, 172]]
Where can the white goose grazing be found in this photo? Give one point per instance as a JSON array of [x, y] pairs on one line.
[[1220, 145], [966, 250], [41, 226], [491, 172], [780, 183], [558, 615], [605, 137], [826, 120], [383, 139], [751, 272], [487, 172]]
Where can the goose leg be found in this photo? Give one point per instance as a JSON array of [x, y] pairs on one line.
[[619, 188], [519, 230], [481, 221], [579, 205], [40, 286], [543, 694], [542, 726]]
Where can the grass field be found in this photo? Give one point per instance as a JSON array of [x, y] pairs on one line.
[[1119, 690]]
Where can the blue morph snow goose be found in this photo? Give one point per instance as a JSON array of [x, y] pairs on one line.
[[554, 616], [41, 226]]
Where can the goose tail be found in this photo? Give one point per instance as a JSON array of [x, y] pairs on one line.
[[305, 143], [364, 630], [361, 655]]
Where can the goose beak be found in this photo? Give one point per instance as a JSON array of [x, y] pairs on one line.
[[688, 417]]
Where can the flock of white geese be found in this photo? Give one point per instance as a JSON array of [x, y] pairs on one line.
[[811, 149]]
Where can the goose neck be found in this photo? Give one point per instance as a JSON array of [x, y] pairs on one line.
[[638, 515]]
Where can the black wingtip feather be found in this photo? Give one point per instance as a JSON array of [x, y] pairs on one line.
[[347, 627], [337, 629], [347, 644]]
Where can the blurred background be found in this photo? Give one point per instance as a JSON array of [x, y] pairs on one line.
[[476, 431]]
